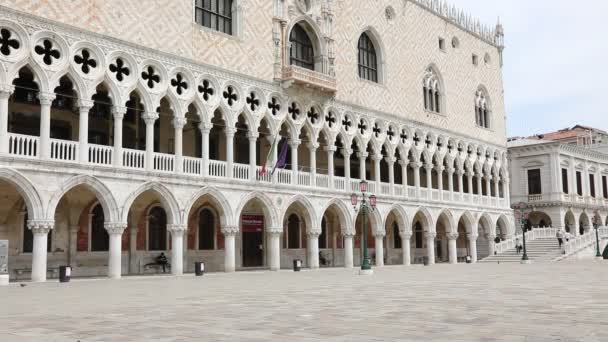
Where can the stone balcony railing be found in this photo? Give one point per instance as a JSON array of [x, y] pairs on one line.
[[308, 78], [102, 157], [573, 199]]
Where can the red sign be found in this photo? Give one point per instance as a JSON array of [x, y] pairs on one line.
[[252, 223]]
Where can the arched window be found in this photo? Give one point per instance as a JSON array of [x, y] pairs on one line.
[[482, 109], [100, 240], [432, 91], [206, 230], [28, 238], [214, 14], [302, 52], [396, 236], [157, 229], [293, 232], [368, 62], [418, 235]]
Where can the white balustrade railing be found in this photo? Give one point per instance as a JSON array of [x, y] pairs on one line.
[[23, 145], [583, 241], [339, 183], [537, 233], [164, 162], [424, 193], [322, 181], [411, 192], [64, 150], [217, 168], [303, 178], [435, 195], [134, 159], [371, 187], [399, 190], [354, 185], [193, 166], [284, 176], [100, 154], [385, 188], [241, 171], [266, 177], [446, 196]]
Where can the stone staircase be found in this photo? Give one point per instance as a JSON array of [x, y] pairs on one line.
[[539, 250]]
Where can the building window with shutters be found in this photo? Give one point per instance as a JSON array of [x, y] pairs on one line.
[[579, 183], [534, 182], [565, 188], [214, 14]]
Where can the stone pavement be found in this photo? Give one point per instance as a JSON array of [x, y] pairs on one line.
[[482, 302]]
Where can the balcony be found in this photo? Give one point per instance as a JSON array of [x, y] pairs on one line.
[[294, 75], [535, 198]]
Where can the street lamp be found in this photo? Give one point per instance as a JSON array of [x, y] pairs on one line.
[[596, 225], [366, 267], [522, 215]]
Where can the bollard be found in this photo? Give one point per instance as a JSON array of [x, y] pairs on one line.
[[468, 259], [297, 265], [65, 274], [199, 268]]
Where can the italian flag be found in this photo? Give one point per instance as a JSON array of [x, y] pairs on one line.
[[269, 162]]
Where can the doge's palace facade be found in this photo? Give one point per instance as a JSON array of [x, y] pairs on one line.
[[127, 130]]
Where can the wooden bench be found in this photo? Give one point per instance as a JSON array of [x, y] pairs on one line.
[[158, 268]]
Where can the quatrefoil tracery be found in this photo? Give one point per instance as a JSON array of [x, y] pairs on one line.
[[85, 61], [347, 123], [120, 69], [179, 84], [230, 95], [206, 89], [7, 42], [274, 106], [313, 115], [150, 76], [294, 111], [403, 136], [47, 51], [330, 118], [376, 129], [362, 126], [253, 101], [390, 133]]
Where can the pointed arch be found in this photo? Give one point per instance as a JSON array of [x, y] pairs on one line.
[[343, 215], [168, 201], [27, 190], [426, 215], [449, 217], [401, 216], [469, 221], [102, 193], [309, 212], [216, 198], [268, 207]]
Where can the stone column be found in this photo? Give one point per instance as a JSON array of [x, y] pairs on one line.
[[391, 173], [489, 185], [379, 239], [46, 100], [313, 249], [229, 248], [133, 266], [473, 246], [430, 246], [479, 189], [451, 181], [439, 170], [294, 160], [115, 231], [177, 248], [497, 188], [429, 178], [470, 181], [274, 243], [491, 243], [84, 106], [204, 148], [5, 94], [403, 164], [330, 165], [150, 118], [347, 152], [72, 244], [452, 247], [362, 158], [118, 113], [178, 125], [460, 174], [377, 158], [40, 230], [312, 148], [348, 249], [406, 237], [230, 131], [416, 166], [253, 139]]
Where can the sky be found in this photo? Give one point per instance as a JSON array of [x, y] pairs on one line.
[[556, 61]]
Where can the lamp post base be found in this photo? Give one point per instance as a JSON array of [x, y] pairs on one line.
[[366, 272], [526, 262]]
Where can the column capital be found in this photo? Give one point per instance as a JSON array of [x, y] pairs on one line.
[[179, 122], [313, 233], [391, 160], [46, 99], [377, 157], [491, 236], [119, 112], [274, 230], [115, 227], [85, 105], [348, 233], [6, 90], [313, 145], [229, 131], [230, 230], [440, 168], [204, 128], [176, 229], [295, 143], [40, 226], [362, 155], [405, 234], [430, 235], [452, 236], [253, 136], [472, 236], [331, 148], [416, 164], [379, 234], [428, 167], [347, 152], [150, 117]]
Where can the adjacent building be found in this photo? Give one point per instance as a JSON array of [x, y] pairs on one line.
[[127, 130]]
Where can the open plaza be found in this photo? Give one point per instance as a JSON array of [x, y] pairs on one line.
[[480, 302]]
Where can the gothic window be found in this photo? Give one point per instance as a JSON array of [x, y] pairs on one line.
[[368, 62], [157, 229], [396, 236], [432, 92], [302, 52], [482, 109], [214, 14], [206, 230], [100, 240], [293, 232]]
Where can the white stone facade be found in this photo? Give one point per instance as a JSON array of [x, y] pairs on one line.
[[453, 185], [573, 184]]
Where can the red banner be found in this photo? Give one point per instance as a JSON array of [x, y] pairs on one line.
[[252, 223]]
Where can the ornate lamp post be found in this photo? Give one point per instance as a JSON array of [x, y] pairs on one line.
[[366, 267], [596, 225], [521, 214]]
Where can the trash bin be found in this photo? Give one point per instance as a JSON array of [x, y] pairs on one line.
[[425, 261], [468, 259], [199, 268], [65, 273], [297, 265]]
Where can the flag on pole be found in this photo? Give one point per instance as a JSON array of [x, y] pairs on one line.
[[269, 158], [282, 157]]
